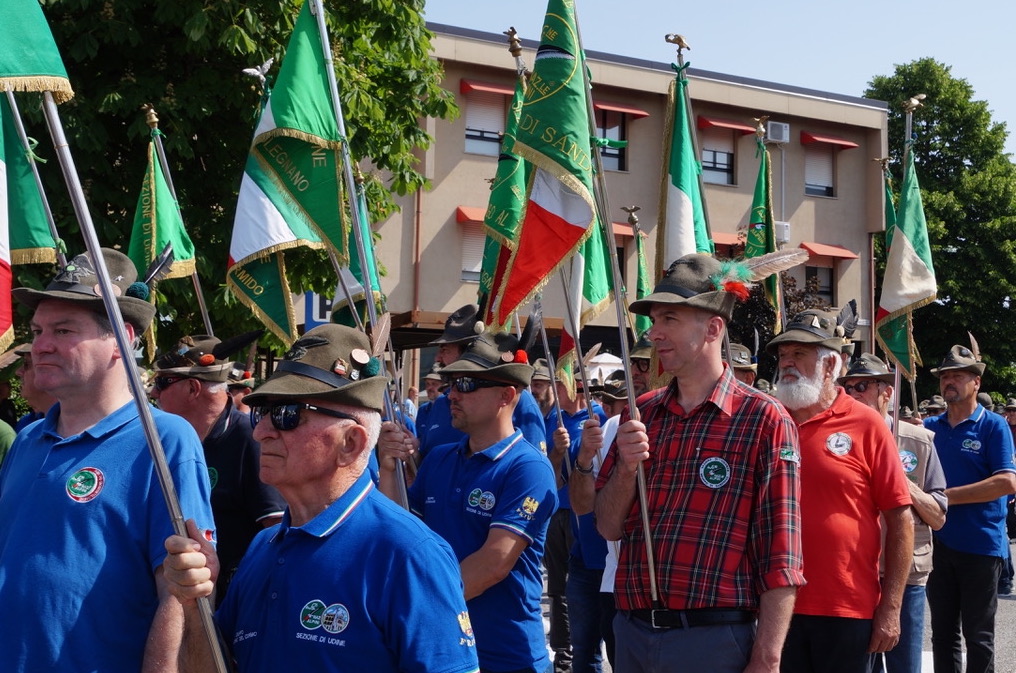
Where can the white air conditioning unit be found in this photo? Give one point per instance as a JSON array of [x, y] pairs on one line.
[[778, 132], [782, 231]]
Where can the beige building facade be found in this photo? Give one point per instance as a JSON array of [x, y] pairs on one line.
[[827, 191]]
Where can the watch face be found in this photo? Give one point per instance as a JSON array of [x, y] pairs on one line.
[[839, 443]]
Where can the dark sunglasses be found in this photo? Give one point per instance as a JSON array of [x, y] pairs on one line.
[[860, 386], [467, 384], [640, 364], [287, 416], [160, 383]]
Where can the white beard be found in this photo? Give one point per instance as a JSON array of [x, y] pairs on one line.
[[801, 393]]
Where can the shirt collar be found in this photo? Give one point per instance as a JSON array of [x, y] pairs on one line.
[[497, 451], [328, 521], [222, 422], [721, 397], [106, 426]]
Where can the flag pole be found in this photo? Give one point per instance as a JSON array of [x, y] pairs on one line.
[[550, 360], [619, 298], [126, 351], [152, 119], [347, 172], [58, 244]]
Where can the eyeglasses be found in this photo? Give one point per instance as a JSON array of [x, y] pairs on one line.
[[160, 383], [640, 364], [860, 386], [287, 416], [467, 384]]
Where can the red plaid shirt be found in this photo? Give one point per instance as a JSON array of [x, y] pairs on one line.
[[723, 490]]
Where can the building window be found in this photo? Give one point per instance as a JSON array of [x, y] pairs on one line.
[[611, 125], [718, 156], [485, 119], [819, 169], [819, 281], [473, 240]]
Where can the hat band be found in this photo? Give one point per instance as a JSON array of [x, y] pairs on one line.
[[803, 327], [480, 360], [330, 378], [676, 289], [76, 288]]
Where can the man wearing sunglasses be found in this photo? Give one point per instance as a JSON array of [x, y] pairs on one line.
[[641, 359], [851, 474], [83, 511], [348, 581], [721, 467], [490, 495], [191, 381], [461, 329], [869, 381]]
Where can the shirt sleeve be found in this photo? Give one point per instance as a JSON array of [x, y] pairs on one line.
[[427, 612], [1000, 447], [529, 420], [527, 498], [776, 536]]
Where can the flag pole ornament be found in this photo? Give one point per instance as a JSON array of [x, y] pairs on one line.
[[29, 58]]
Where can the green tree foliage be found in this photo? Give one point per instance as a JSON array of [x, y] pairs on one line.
[[186, 58], [968, 185]]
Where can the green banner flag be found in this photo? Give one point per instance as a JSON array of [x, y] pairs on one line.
[[761, 237], [554, 136], [504, 210], [643, 284], [29, 59], [297, 138], [30, 237], [353, 274], [158, 222]]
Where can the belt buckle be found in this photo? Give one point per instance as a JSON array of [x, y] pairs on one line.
[[652, 619]]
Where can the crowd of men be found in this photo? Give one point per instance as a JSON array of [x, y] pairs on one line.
[[715, 526]]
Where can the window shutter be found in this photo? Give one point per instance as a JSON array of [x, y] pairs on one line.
[[473, 240], [718, 140], [485, 112], [818, 166]]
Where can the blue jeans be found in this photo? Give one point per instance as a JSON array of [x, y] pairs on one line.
[[589, 616], [906, 656]]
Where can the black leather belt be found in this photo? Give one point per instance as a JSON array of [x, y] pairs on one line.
[[686, 619]]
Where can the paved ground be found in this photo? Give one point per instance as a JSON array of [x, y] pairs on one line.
[[1005, 636]]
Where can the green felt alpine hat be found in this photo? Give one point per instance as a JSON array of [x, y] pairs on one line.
[[331, 362]]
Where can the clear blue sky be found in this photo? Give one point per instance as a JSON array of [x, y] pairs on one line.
[[830, 46]]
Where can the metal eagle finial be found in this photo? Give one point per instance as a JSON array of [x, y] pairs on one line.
[[760, 126], [260, 71], [914, 102], [514, 41], [633, 219], [674, 38]]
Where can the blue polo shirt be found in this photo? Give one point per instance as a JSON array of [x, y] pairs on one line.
[[975, 449], [573, 424], [364, 586], [82, 531], [461, 497], [438, 430]]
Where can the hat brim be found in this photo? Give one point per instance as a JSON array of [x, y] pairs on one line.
[[977, 368], [367, 393], [796, 336], [884, 378], [212, 374], [717, 303], [137, 312], [513, 372]]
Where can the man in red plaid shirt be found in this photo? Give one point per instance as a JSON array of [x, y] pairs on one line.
[[721, 464]]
